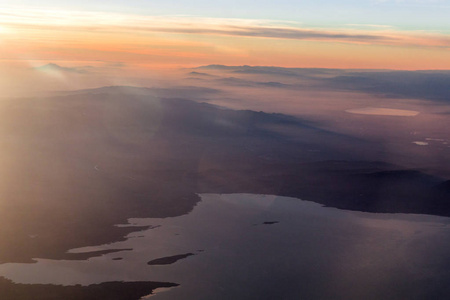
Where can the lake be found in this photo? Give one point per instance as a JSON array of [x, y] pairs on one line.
[[244, 246]]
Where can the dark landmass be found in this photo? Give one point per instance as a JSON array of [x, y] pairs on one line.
[[270, 222], [194, 73], [248, 83], [432, 85], [169, 259], [106, 290], [401, 191], [75, 165], [422, 84]]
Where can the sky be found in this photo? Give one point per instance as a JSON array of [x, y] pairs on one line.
[[131, 37], [410, 14]]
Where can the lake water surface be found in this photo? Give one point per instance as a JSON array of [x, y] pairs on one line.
[[243, 246]]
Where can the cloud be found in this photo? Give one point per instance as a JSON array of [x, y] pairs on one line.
[[379, 111], [51, 67], [281, 33], [115, 64]]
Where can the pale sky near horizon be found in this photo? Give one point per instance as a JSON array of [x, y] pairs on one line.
[[403, 14]]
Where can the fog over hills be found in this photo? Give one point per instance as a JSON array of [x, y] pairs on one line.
[[95, 158], [423, 84], [82, 161]]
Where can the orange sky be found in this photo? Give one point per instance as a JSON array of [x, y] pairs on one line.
[[131, 45], [176, 49], [188, 41]]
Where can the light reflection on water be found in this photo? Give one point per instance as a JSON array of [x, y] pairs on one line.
[[156, 291], [313, 252]]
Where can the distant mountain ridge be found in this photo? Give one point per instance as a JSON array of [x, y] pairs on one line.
[[419, 84]]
